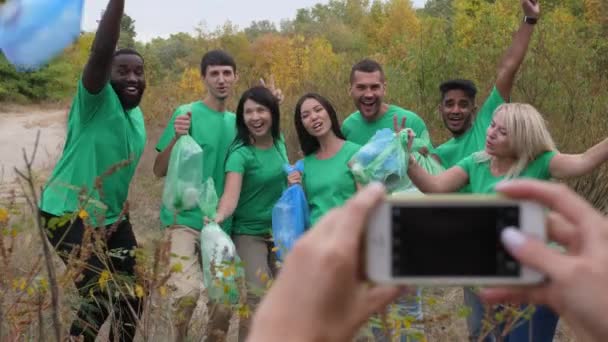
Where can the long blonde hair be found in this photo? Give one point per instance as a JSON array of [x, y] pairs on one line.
[[527, 133]]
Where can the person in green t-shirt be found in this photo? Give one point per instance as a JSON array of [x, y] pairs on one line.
[[255, 181], [468, 126], [213, 127], [458, 108], [326, 179], [518, 145], [105, 131], [367, 89]]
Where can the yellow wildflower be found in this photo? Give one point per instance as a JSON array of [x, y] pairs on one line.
[[83, 214], [244, 311], [177, 268], [163, 291], [3, 215], [103, 279], [139, 291]]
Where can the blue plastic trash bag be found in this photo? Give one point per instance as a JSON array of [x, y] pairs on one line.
[[34, 31], [382, 159], [222, 268], [184, 181], [290, 216]]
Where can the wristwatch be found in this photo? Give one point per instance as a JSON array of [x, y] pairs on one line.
[[530, 20]]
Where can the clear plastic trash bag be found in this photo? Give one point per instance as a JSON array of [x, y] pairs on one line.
[[32, 32], [184, 181], [222, 267], [290, 215]]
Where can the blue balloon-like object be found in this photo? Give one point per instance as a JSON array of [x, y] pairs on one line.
[[32, 32]]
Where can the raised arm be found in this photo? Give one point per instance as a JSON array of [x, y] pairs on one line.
[[449, 181], [514, 56], [575, 165], [97, 70], [230, 198]]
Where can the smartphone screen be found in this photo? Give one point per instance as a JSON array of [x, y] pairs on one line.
[[452, 241]]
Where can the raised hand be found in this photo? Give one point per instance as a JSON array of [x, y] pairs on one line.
[[531, 8], [273, 89]]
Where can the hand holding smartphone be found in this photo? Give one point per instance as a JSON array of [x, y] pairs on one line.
[[449, 240]]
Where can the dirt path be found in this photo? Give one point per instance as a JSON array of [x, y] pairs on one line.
[[18, 130]]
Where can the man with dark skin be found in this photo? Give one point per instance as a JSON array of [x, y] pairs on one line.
[[105, 132]]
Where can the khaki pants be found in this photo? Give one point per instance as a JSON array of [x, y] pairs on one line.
[[260, 266], [187, 285]]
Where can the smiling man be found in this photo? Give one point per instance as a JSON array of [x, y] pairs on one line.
[[105, 127], [458, 108], [213, 127], [367, 89]]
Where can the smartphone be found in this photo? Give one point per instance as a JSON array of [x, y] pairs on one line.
[[447, 240]]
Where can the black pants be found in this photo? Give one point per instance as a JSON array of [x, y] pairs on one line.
[[95, 301]]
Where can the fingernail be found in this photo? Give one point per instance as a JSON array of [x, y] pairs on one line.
[[512, 238], [502, 184], [376, 186]]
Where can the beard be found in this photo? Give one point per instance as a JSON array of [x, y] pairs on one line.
[[127, 100]]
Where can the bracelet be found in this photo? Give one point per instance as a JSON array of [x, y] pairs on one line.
[[530, 20]]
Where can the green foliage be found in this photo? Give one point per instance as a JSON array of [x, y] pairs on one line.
[[127, 32]]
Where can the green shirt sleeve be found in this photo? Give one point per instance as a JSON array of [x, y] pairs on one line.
[[486, 113], [543, 163], [89, 104], [236, 161], [466, 164]]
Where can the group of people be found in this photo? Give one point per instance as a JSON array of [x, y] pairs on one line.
[[245, 153]]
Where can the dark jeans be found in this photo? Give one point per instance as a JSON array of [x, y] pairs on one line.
[[95, 302], [540, 328]]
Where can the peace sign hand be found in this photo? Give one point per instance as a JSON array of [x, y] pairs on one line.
[[396, 127], [273, 89]]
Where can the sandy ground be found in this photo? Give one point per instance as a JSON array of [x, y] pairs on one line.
[[18, 130]]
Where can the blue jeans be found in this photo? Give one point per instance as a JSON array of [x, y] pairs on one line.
[[540, 328], [410, 305]]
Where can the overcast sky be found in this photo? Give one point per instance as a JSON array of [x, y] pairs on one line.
[[161, 18]]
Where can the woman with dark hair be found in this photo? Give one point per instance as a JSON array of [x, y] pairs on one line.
[[254, 182], [327, 179]]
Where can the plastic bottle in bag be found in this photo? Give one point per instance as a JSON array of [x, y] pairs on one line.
[[34, 31], [382, 159], [290, 215], [184, 180]]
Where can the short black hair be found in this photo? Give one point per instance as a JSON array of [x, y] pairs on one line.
[[308, 143], [127, 51], [263, 96], [217, 57], [366, 65], [460, 84]]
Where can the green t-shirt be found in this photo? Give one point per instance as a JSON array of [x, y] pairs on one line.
[[356, 129], [263, 183], [482, 181], [328, 183], [100, 134], [473, 140], [214, 132]]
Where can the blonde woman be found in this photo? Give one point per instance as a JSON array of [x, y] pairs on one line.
[[518, 145]]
